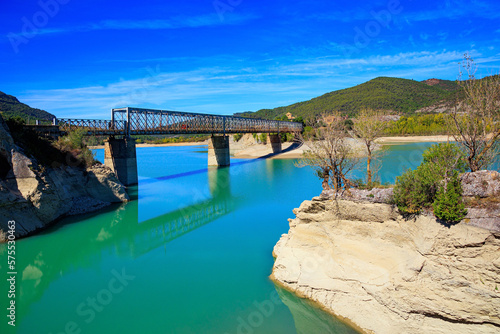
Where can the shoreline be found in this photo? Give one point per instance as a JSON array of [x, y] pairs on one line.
[[363, 262], [257, 151], [413, 139]]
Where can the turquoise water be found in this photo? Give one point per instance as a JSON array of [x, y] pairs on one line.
[[191, 254]]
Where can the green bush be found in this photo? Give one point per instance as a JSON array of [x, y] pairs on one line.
[[410, 195], [237, 136], [75, 148], [445, 155], [263, 138], [417, 189], [448, 205]]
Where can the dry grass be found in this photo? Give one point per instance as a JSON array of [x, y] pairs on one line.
[[488, 203]]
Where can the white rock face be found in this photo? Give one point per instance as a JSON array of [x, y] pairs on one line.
[[390, 275], [35, 196]]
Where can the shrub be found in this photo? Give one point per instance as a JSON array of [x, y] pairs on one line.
[[448, 205], [237, 136], [73, 145], [263, 138], [410, 194], [445, 156], [417, 189]]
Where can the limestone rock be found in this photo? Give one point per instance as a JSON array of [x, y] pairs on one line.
[[102, 184], [386, 274], [482, 183], [36, 196]]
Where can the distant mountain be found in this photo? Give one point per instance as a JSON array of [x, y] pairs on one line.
[[11, 107], [392, 94]]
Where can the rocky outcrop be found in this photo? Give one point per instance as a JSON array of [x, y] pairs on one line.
[[35, 196], [483, 183], [364, 262]]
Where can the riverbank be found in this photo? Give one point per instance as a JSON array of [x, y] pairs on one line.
[[249, 149], [36, 195], [385, 273], [413, 139]]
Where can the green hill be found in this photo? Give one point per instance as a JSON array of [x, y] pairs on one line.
[[394, 94], [11, 107]]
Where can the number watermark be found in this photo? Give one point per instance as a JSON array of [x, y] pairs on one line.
[[11, 272]]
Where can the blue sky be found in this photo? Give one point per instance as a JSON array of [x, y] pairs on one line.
[[80, 58]]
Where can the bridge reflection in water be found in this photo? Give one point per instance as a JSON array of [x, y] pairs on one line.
[[152, 233], [123, 234]]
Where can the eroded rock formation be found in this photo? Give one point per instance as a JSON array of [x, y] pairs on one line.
[[35, 196], [366, 263]]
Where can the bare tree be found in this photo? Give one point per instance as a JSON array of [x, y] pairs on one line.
[[331, 154], [476, 121], [368, 126]]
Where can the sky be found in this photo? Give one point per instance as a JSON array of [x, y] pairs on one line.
[[81, 58]]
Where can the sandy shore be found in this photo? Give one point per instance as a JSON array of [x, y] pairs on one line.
[[413, 139], [250, 150]]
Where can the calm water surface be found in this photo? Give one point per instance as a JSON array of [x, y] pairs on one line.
[[192, 253]]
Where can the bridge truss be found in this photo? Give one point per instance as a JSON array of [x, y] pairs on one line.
[[138, 121]]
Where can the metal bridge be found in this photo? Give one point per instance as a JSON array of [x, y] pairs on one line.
[[120, 153], [138, 121]]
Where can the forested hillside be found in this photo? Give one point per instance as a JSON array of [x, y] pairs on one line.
[[11, 107], [393, 94]]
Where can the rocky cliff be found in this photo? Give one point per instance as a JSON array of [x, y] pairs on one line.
[[386, 274], [35, 196]]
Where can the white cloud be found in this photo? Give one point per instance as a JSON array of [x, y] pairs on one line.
[[163, 24], [234, 89]]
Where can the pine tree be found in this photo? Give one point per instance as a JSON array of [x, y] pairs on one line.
[[448, 205]]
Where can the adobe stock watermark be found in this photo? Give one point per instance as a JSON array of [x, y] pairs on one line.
[[223, 6], [263, 310], [364, 35], [31, 26], [87, 310]]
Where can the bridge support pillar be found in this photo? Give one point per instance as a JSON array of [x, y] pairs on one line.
[[275, 141], [218, 151], [120, 156]]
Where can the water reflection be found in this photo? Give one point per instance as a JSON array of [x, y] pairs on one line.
[[309, 319], [117, 230]]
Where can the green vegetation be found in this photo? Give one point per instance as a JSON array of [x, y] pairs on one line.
[[263, 138], [448, 205], [237, 136], [426, 124], [10, 107], [417, 189], [383, 93], [75, 148]]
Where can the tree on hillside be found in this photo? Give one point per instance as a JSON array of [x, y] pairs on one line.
[[475, 123], [368, 126], [330, 154]]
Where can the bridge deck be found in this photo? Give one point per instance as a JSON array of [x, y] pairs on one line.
[[138, 121]]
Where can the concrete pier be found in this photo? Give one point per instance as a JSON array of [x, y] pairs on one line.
[[120, 156], [275, 141], [218, 151]]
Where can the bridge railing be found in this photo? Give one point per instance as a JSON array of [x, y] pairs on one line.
[[93, 126], [149, 121]]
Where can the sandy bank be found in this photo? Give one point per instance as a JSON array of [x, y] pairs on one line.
[[414, 139]]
